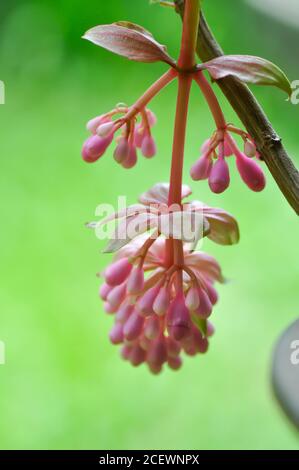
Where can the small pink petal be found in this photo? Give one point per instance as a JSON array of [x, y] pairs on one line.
[[117, 295], [94, 123]]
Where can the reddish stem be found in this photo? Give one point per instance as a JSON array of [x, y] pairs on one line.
[[140, 104], [174, 252], [211, 99]]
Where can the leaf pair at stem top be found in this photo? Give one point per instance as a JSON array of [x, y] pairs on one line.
[[136, 43]]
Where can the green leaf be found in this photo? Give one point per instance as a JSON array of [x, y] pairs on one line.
[[248, 69], [202, 325]]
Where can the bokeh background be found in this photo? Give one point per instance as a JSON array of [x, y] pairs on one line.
[[63, 385]]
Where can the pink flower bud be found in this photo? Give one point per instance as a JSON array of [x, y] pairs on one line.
[[148, 147], [144, 343], [126, 352], [210, 329], [201, 343], [162, 301], [178, 318], [138, 135], [133, 326], [249, 149], [212, 293], [108, 308], [227, 149], [175, 363], [95, 147], [205, 146], [94, 123], [124, 312], [106, 129], [135, 282], [205, 307], [131, 159], [251, 173], [219, 177], [118, 272], [201, 169], [152, 118], [157, 354], [173, 347], [104, 291], [145, 304], [116, 334], [117, 295], [192, 298], [137, 356], [152, 327], [122, 150], [155, 369]]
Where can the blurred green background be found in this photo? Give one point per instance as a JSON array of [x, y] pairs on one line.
[[63, 385]]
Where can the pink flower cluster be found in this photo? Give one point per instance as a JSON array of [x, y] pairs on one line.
[[133, 136], [156, 319], [161, 309], [212, 164]]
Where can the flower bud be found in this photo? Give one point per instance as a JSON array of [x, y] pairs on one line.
[[135, 282], [117, 295], [152, 327], [124, 312], [251, 173], [116, 334], [152, 118], [94, 123], [178, 319], [175, 363], [137, 355], [131, 159], [104, 291], [212, 293], [219, 177], [148, 147], [192, 298], [201, 169], [138, 135], [227, 148], [205, 307], [157, 353], [122, 150], [118, 272], [162, 301], [145, 304], [249, 149], [95, 147], [106, 129], [133, 326]]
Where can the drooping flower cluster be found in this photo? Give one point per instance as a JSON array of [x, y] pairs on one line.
[[161, 309], [133, 135], [212, 163]]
